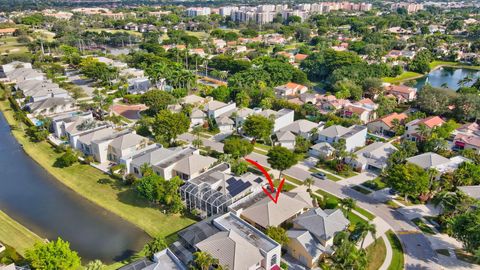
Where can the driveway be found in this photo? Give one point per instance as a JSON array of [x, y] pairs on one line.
[[188, 137]]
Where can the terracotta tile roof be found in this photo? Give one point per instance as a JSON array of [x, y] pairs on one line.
[[366, 101], [387, 119], [468, 139], [300, 56], [431, 121], [355, 109], [400, 88], [7, 30]]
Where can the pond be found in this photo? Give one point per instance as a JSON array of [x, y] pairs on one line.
[[34, 198], [448, 76]]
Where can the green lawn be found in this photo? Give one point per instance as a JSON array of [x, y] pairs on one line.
[[131, 32], [375, 184], [16, 235], [100, 188], [436, 64], [376, 254], [391, 204], [346, 174], [397, 256], [262, 146], [362, 211], [422, 226], [405, 76], [286, 186], [10, 45], [293, 180]]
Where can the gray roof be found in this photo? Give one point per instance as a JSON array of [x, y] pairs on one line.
[[333, 131], [96, 135], [165, 259], [300, 126], [224, 120], [307, 241], [322, 146], [22, 74], [214, 105], [153, 157], [472, 191], [196, 113], [428, 160], [285, 135], [267, 213], [231, 250], [193, 164], [49, 103], [376, 153], [127, 140], [323, 224]]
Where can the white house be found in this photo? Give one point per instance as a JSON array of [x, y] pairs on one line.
[[373, 156], [290, 89], [215, 108], [354, 136], [286, 139], [282, 118], [51, 106], [138, 85]]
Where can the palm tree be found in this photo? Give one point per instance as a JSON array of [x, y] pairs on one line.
[[309, 182], [364, 228], [204, 260], [154, 246], [423, 131], [347, 204]]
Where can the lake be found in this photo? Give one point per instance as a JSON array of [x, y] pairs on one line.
[[449, 76], [31, 196]]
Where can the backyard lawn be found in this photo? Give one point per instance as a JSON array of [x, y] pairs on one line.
[[356, 208], [10, 45], [15, 235], [100, 188]]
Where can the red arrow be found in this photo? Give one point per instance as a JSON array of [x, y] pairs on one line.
[[270, 182]]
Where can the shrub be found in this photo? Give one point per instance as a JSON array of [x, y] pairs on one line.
[[130, 179], [66, 160], [331, 203]]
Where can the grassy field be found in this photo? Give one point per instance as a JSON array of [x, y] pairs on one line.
[[15, 235], [100, 188], [375, 184], [405, 76], [397, 256], [436, 64], [361, 190], [10, 45], [376, 254]]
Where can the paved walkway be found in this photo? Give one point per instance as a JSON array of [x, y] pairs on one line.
[[388, 254]]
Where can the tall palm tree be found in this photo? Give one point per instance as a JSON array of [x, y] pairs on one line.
[[364, 228], [309, 182], [204, 260]]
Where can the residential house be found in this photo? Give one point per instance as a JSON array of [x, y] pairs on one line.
[[213, 191], [118, 145], [290, 89], [435, 161], [86, 140], [241, 115], [7, 68], [463, 141], [60, 123], [138, 85], [286, 138], [302, 127], [403, 93], [299, 57], [197, 118], [265, 213], [185, 163], [36, 90], [225, 124], [354, 136], [51, 106], [321, 150], [311, 236], [281, 118], [364, 113], [215, 108], [413, 128], [80, 127], [385, 125], [372, 157], [239, 246], [23, 74]]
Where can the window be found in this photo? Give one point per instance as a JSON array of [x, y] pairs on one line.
[[135, 170], [273, 260]]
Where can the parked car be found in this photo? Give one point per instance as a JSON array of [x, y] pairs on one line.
[[319, 175]]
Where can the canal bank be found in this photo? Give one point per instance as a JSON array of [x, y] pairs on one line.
[[98, 188]]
